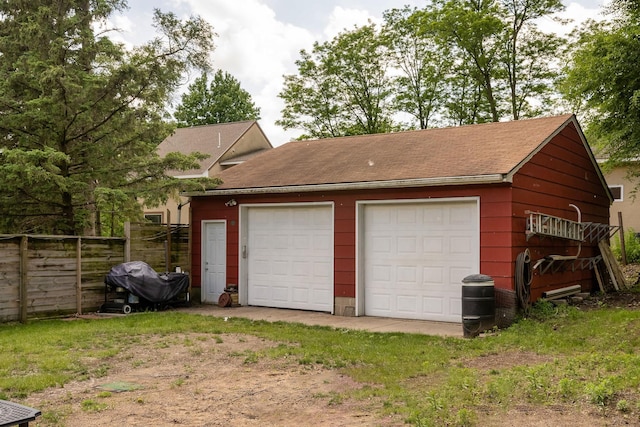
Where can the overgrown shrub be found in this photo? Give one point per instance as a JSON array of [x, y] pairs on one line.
[[632, 246]]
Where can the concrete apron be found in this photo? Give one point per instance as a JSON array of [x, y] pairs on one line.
[[312, 318]]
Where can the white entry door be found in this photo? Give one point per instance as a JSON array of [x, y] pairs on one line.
[[214, 261], [415, 257], [290, 257]]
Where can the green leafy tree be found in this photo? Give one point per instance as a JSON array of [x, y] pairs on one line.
[[497, 43], [342, 87], [222, 101], [603, 81], [530, 55], [312, 101], [420, 86], [81, 116], [475, 29], [465, 102]]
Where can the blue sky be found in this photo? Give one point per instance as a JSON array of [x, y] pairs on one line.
[[259, 40]]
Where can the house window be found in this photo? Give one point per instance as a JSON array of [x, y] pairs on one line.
[[616, 191], [154, 218]]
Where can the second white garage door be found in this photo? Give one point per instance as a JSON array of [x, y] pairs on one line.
[[290, 257], [415, 257]]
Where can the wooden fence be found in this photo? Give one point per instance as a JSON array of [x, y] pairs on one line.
[[43, 276]]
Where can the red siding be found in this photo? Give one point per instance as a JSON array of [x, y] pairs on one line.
[[494, 214], [561, 174]]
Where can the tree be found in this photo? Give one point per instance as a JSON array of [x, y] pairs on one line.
[[475, 29], [81, 116], [223, 101], [419, 87], [530, 55], [497, 42], [603, 81], [342, 87], [465, 102]]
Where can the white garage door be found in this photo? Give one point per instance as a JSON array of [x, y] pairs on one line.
[[415, 257], [290, 257]]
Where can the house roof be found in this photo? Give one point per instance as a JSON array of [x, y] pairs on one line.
[[490, 152], [231, 161], [214, 140]]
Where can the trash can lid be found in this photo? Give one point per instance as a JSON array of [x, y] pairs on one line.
[[477, 278]]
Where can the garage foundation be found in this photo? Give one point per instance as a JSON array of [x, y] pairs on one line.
[[345, 306]]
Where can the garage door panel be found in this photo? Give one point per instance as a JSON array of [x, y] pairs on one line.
[[297, 245], [321, 294], [279, 242], [458, 273], [460, 245], [380, 301], [406, 303], [406, 274], [421, 252], [301, 242], [407, 217], [278, 268], [455, 306], [279, 293], [260, 292], [301, 269], [407, 245], [434, 275], [300, 295], [462, 215], [322, 243], [323, 270], [432, 306]]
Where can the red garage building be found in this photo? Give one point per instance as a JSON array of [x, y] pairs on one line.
[[389, 224]]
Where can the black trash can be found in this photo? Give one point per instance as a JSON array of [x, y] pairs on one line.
[[478, 305]]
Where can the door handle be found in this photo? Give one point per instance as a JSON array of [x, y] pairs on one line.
[[244, 251]]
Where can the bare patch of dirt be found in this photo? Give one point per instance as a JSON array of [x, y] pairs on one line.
[[202, 380], [555, 416]]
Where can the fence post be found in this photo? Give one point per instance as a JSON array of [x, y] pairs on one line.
[[127, 241], [79, 275], [168, 247], [623, 248], [24, 277], [189, 249]]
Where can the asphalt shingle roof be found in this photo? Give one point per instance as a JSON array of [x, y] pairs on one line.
[[465, 151], [213, 140]]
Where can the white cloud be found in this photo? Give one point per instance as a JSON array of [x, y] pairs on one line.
[[118, 28], [258, 50], [342, 19], [576, 14]]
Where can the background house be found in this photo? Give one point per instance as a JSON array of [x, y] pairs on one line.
[[227, 144], [389, 224], [623, 191]]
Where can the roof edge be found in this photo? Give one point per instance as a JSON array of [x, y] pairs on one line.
[[366, 185], [570, 119]]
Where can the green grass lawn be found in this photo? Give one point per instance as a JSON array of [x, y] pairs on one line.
[[556, 356]]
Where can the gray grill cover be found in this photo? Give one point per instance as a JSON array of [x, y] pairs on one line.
[[141, 280]]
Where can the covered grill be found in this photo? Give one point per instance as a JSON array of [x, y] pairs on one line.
[[136, 286]]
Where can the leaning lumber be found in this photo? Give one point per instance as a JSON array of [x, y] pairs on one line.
[[612, 265]]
